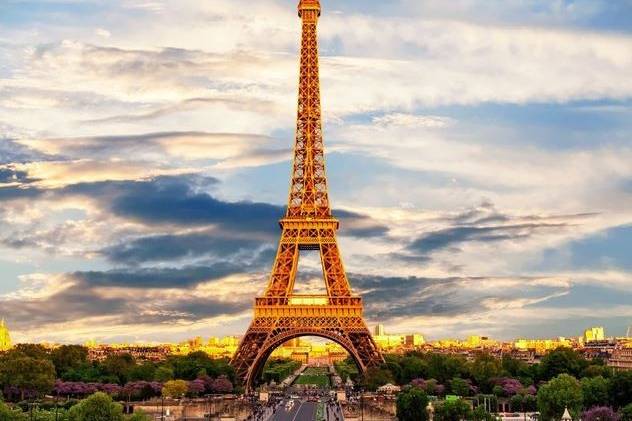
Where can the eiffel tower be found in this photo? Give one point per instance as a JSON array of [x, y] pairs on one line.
[[281, 315]]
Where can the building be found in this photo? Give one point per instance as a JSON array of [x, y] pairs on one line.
[[5, 338], [621, 359], [541, 346], [629, 333], [396, 342], [594, 334]]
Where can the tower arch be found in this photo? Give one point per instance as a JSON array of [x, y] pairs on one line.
[[260, 361]]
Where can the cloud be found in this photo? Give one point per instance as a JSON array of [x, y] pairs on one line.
[[80, 300], [169, 247], [151, 146], [452, 236], [388, 298], [411, 121]]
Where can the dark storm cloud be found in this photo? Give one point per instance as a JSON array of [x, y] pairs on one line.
[[19, 192], [387, 297], [170, 247], [74, 303], [83, 301], [484, 223], [357, 225], [13, 152], [179, 200], [161, 277], [447, 237], [8, 175], [392, 297]]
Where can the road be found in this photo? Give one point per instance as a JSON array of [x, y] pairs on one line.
[[301, 411]]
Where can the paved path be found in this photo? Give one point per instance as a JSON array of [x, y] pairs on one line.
[[300, 411]]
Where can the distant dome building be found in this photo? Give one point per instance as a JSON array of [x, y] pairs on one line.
[[5, 338]]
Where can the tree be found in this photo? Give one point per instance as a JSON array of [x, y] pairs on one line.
[[97, 407], [412, 367], [175, 389], [222, 385], [145, 371], [561, 392], [6, 414], [36, 351], [530, 403], [445, 367], [481, 414], [196, 387], [621, 388], [27, 373], [411, 405], [513, 366], [139, 415], [517, 403], [484, 369], [460, 387], [376, 377], [595, 391], [119, 366], [562, 361], [454, 410], [163, 374], [626, 413], [600, 413], [595, 370], [69, 357]]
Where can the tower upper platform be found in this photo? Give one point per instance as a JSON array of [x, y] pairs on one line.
[[308, 5]]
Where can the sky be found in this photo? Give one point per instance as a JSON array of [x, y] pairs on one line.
[[479, 157]]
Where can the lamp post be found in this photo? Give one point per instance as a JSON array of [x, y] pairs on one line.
[[362, 403]]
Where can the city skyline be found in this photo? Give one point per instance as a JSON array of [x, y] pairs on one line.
[[478, 164]]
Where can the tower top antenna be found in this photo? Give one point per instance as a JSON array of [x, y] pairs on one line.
[[304, 5]]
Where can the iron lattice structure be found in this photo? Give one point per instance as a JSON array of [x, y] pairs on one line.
[[308, 224]]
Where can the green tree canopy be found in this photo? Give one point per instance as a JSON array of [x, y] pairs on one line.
[[69, 357], [481, 414], [119, 366], [97, 407], [561, 392], [621, 388], [163, 374], [175, 389], [376, 377], [595, 391], [562, 361], [460, 387], [36, 351], [412, 367], [626, 413], [484, 369], [411, 405], [445, 367], [27, 373], [455, 410]]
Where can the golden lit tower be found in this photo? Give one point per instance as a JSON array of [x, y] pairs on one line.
[[281, 315], [5, 338]]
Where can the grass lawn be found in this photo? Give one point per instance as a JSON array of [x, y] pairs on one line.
[[314, 375]]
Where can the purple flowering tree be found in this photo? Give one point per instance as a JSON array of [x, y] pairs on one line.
[[600, 413], [222, 385], [197, 387]]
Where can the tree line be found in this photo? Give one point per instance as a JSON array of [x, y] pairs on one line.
[[30, 371]]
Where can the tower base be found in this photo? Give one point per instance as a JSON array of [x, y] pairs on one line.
[[277, 321]]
